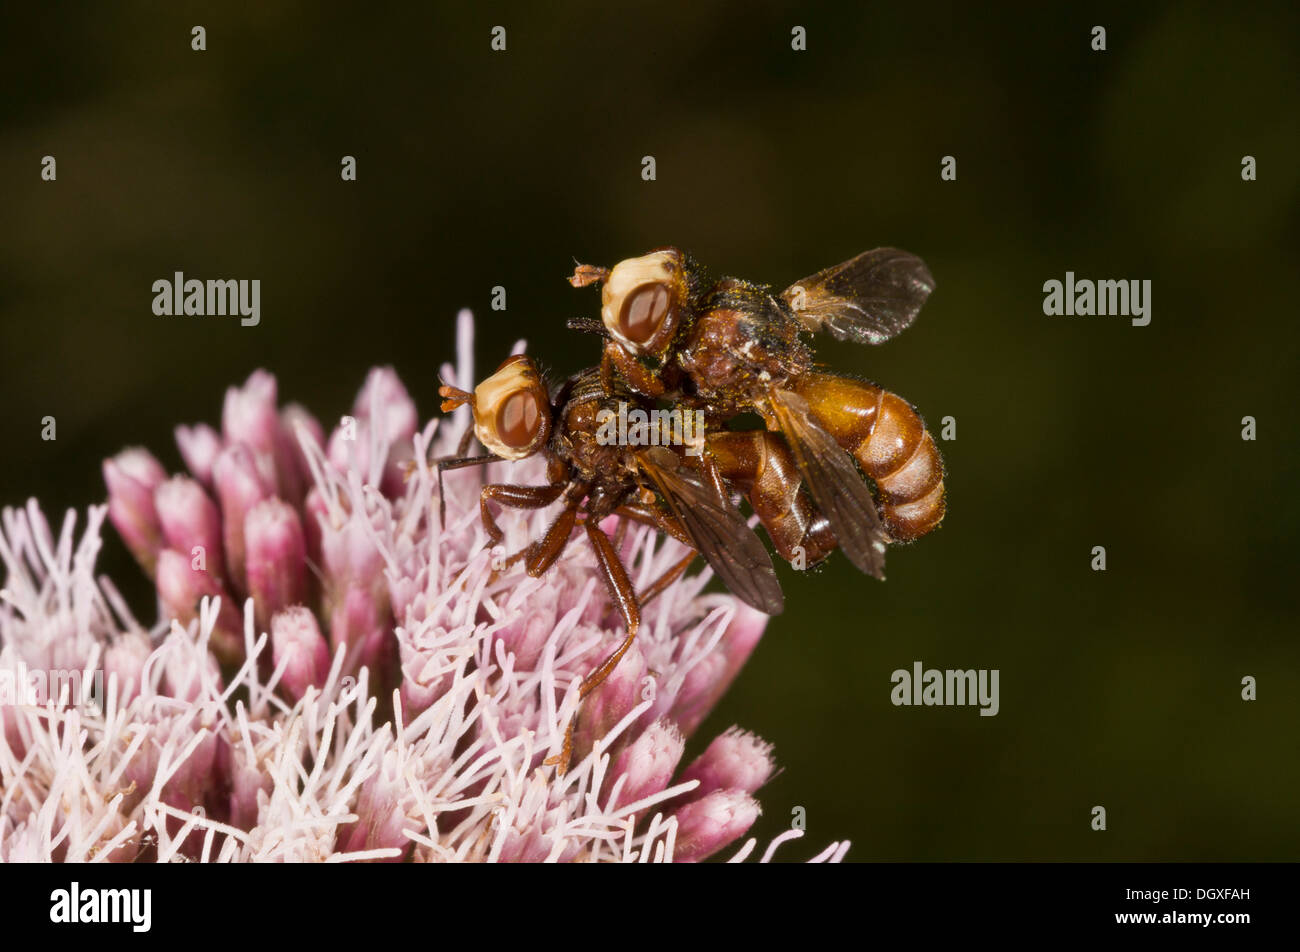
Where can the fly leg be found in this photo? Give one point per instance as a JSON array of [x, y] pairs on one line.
[[624, 596], [665, 522], [440, 465], [513, 497], [457, 461]]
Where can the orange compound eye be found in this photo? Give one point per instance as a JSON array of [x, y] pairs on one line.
[[512, 410], [644, 311], [518, 419], [641, 299]]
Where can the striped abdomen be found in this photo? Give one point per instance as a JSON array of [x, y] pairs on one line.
[[890, 443], [760, 466]]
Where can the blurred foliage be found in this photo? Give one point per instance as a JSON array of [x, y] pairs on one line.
[[479, 169]]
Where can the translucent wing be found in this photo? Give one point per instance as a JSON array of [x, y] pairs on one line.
[[718, 530], [839, 490], [867, 299]]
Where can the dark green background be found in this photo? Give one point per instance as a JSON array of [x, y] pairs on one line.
[[478, 168]]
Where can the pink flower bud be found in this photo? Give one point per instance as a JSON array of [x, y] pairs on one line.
[[708, 681], [534, 845], [137, 778], [240, 487], [421, 682], [406, 596], [612, 700], [127, 851], [349, 447], [181, 586], [526, 635], [295, 635], [10, 732], [314, 511], [132, 476], [742, 637], [291, 464], [248, 778], [530, 846], [191, 523], [711, 823], [379, 655], [390, 412], [186, 672], [277, 566], [124, 659], [360, 621], [694, 698], [199, 446], [382, 812], [188, 786], [295, 419], [384, 401], [647, 764], [736, 760], [350, 556], [249, 416]]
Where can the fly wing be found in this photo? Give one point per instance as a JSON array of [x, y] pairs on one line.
[[867, 299], [838, 489], [718, 531]]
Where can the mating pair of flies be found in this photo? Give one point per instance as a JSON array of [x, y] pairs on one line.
[[728, 348]]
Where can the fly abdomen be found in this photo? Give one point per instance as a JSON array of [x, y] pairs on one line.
[[759, 464], [891, 445]]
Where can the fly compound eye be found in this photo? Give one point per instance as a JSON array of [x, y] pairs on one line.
[[512, 410], [518, 419], [640, 301], [643, 313]]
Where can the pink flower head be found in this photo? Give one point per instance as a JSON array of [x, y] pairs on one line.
[[337, 674]]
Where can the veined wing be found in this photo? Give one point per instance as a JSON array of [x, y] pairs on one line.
[[838, 489], [867, 299], [717, 529]]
